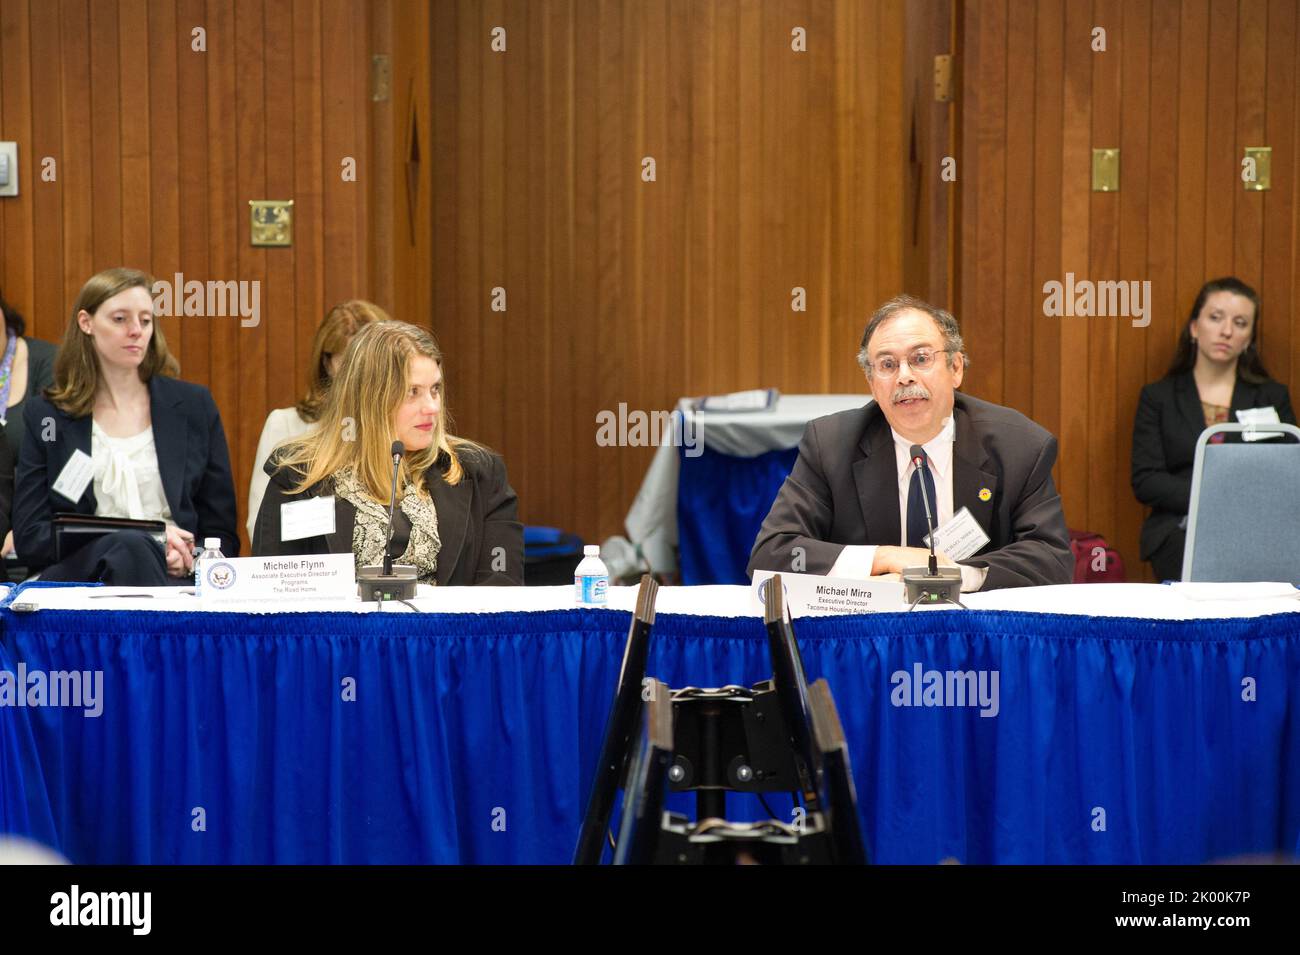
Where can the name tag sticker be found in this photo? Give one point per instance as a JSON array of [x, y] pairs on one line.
[[1258, 416], [310, 518], [74, 477], [960, 537]]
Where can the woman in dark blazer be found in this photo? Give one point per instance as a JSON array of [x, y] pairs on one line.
[[26, 369], [155, 447], [455, 515], [1216, 372]]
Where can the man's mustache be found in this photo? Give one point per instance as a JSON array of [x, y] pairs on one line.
[[909, 391]]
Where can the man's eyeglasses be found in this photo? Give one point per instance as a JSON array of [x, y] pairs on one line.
[[920, 360]]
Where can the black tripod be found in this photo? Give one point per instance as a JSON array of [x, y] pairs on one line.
[[779, 736]]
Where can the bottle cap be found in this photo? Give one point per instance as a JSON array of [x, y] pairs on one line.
[[212, 543], [591, 550]]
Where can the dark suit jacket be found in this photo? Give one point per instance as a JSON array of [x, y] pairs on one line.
[[474, 518], [193, 463], [6, 483], [1169, 421], [844, 490]]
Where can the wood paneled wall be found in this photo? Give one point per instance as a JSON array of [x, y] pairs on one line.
[[158, 150], [1182, 88], [522, 170], [774, 169]]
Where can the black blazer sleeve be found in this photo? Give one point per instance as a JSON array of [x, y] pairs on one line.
[[1154, 483], [32, 511], [6, 484], [1280, 398], [801, 516], [215, 499], [501, 553], [265, 541], [1039, 552]]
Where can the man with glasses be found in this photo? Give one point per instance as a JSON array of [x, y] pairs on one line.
[[853, 505]]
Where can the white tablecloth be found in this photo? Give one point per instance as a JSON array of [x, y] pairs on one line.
[[652, 521], [1153, 601]]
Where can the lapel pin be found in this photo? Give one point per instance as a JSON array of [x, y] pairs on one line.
[[985, 494]]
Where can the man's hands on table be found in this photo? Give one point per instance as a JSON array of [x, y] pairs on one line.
[[890, 562]]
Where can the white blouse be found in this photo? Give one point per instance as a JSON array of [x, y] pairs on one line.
[[127, 482]]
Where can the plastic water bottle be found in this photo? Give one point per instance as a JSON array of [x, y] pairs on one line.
[[591, 578], [211, 551]]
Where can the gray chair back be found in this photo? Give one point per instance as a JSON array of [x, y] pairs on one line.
[[1244, 522]]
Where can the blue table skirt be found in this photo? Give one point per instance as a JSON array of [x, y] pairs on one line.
[[472, 738], [721, 504]]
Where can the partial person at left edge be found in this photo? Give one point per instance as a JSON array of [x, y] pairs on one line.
[[155, 447], [26, 369]]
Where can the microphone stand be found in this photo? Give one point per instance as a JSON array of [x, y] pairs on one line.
[[392, 503], [387, 581], [933, 584]]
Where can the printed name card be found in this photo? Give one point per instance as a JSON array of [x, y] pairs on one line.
[[250, 580], [809, 595]]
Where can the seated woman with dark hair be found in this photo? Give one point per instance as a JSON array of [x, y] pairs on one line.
[[1216, 373], [26, 369], [154, 447], [455, 515]]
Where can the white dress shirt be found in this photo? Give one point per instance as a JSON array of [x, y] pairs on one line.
[[127, 482], [856, 559]]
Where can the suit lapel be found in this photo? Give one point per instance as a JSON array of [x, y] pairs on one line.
[[170, 441], [974, 479], [345, 520], [1188, 400], [1247, 395], [875, 474], [452, 505]]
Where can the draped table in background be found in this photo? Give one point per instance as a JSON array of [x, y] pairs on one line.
[[472, 735], [705, 495]]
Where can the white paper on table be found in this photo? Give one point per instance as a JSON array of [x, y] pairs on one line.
[[760, 399], [1249, 590]]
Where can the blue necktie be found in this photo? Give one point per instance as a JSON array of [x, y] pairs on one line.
[[916, 526]]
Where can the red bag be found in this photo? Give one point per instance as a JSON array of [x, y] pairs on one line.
[[1095, 562]]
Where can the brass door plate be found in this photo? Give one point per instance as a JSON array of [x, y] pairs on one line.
[[1263, 161], [272, 222], [943, 78], [381, 78], [1105, 170]]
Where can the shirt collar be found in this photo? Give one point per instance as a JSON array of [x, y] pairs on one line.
[[938, 449]]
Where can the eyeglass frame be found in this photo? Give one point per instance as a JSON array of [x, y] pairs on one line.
[[871, 365]]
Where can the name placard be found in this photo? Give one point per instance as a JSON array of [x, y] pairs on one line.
[[810, 595], [245, 580]]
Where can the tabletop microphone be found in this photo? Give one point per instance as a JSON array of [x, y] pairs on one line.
[[397, 450], [387, 581], [934, 584], [918, 461]]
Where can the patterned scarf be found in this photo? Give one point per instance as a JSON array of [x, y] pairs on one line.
[[372, 520]]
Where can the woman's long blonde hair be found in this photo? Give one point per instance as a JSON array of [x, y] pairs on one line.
[[76, 367], [356, 422], [336, 329]]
